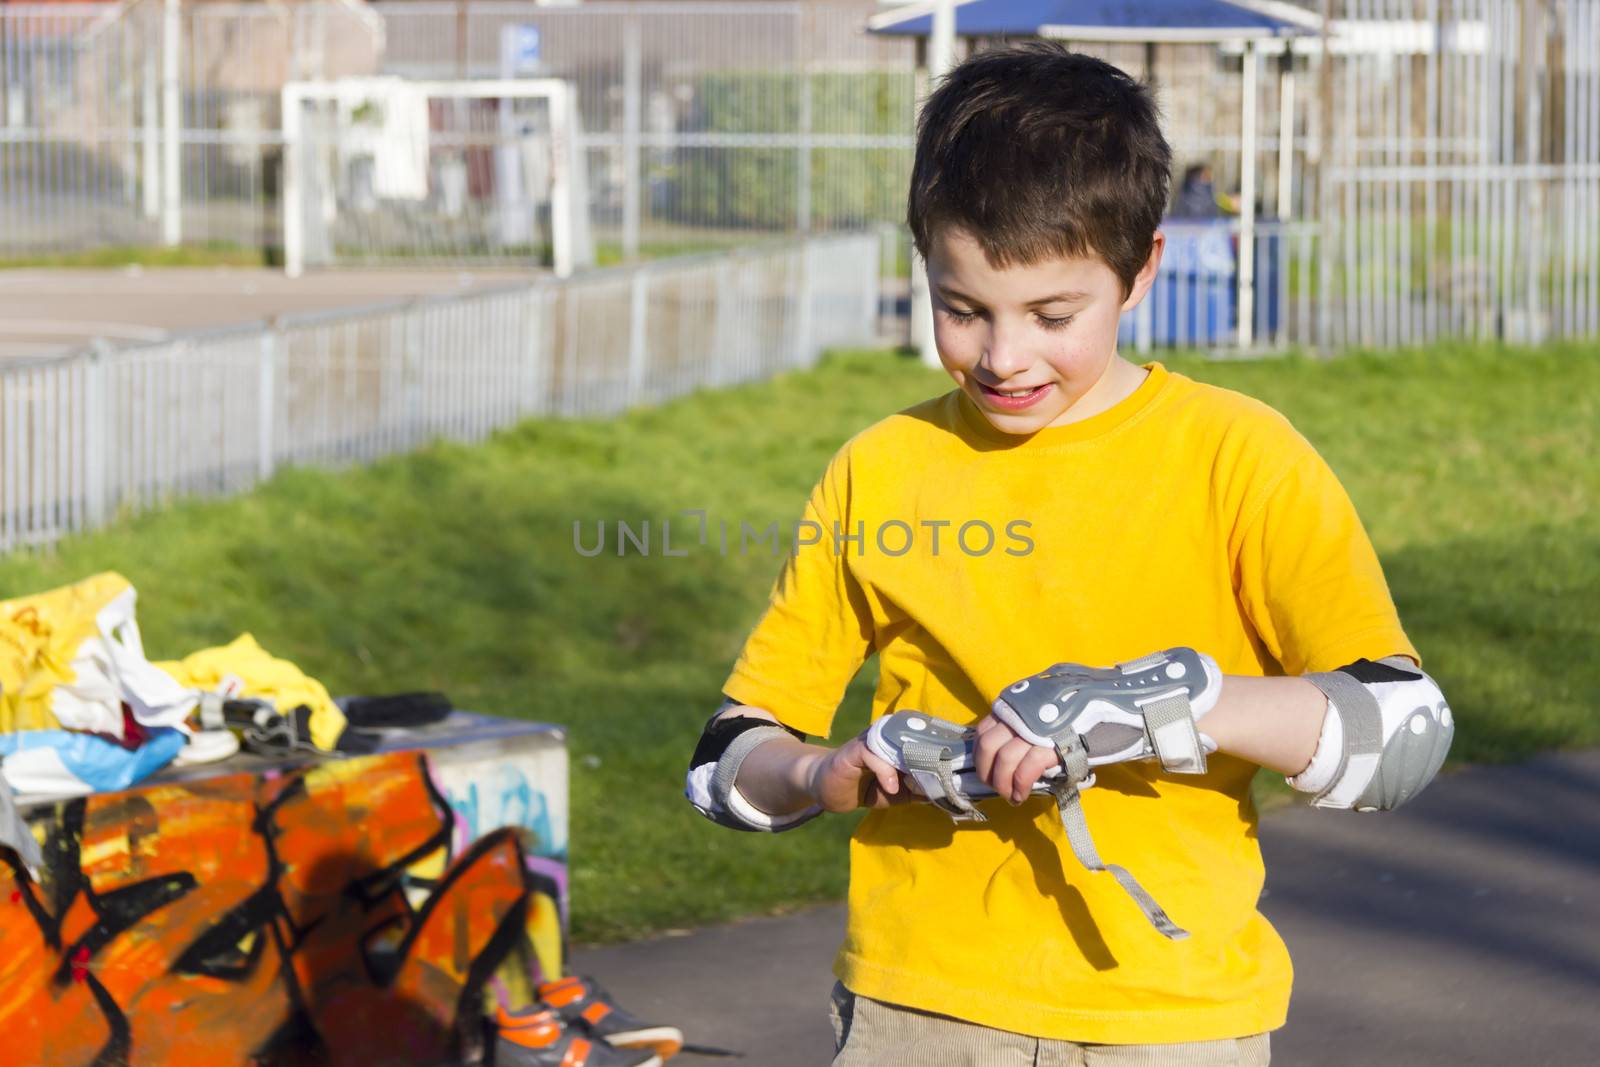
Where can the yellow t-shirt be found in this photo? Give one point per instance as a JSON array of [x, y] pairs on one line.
[[1184, 515]]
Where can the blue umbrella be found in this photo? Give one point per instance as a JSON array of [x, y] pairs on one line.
[[1146, 21]]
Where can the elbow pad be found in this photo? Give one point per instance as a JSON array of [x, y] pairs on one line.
[[715, 766], [1386, 733]]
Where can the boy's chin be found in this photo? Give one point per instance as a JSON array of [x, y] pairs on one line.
[[1020, 424]]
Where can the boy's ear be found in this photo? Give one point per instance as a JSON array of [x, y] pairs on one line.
[[1147, 273]]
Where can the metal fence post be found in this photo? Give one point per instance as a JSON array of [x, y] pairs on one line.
[[172, 126], [533, 353], [803, 327], [803, 179], [638, 344], [1143, 324], [266, 401], [150, 128], [1246, 307], [632, 117], [94, 437], [723, 341], [292, 193]]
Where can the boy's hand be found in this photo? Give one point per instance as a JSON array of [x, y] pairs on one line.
[[851, 777], [1009, 764]]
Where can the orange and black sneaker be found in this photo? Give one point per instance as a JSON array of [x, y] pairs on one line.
[[538, 1037], [581, 1000]]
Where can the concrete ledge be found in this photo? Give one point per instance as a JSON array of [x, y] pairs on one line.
[[307, 911]]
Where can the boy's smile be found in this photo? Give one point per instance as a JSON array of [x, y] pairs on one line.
[[1032, 346]]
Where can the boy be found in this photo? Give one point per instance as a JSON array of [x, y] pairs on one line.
[[1146, 512]]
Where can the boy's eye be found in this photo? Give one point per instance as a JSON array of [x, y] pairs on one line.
[[962, 317]]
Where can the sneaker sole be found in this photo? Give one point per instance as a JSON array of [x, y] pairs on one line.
[[665, 1041]]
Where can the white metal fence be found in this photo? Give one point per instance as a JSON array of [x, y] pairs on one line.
[[85, 436], [1461, 192], [1436, 175]]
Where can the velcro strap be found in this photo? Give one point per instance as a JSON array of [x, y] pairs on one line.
[[1074, 758], [1362, 723], [934, 770], [1065, 789], [1143, 663], [1169, 723]]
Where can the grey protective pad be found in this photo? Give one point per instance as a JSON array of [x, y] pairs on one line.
[[1397, 731], [1409, 761]]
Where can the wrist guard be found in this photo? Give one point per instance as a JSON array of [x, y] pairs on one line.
[[1149, 707]]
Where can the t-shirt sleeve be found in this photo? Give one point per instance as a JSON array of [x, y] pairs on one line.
[[817, 628], [1309, 579]]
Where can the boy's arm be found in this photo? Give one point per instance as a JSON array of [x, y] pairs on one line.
[[752, 773], [1274, 722], [1367, 736]]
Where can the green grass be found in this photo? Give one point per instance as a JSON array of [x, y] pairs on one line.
[[216, 254], [454, 568]]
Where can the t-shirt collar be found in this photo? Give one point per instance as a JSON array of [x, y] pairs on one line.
[[1095, 425]]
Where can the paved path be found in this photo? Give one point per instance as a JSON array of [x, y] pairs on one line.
[[47, 311], [1462, 930]]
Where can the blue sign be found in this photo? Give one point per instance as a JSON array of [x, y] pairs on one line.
[[522, 48]]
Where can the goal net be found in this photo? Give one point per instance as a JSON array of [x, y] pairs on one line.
[[391, 170]]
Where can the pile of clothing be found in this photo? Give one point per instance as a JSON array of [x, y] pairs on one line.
[[82, 710]]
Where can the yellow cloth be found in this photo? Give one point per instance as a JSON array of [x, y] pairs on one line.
[[39, 637], [72, 657], [266, 677], [1184, 515]]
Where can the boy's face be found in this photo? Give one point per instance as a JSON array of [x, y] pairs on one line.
[[1026, 343]]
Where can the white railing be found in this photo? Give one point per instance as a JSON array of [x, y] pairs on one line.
[[88, 435]]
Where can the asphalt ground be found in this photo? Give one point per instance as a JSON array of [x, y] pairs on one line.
[[49, 311], [1461, 930]]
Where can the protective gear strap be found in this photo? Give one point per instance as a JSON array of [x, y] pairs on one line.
[[1169, 722], [1075, 761], [726, 793], [932, 767]]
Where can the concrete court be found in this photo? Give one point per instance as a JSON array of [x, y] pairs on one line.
[[1461, 930], [47, 311]]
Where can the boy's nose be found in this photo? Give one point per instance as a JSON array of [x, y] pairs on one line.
[[1004, 356]]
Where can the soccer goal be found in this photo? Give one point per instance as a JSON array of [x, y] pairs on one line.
[[391, 170]]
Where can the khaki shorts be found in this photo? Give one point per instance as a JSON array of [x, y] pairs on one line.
[[870, 1033]]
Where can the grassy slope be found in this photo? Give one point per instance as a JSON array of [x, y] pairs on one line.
[[454, 569]]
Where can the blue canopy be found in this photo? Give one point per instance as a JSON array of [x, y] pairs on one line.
[[1140, 21]]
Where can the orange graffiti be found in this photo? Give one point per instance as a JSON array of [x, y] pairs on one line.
[[315, 917]]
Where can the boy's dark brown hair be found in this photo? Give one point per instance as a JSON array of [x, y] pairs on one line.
[[1037, 151]]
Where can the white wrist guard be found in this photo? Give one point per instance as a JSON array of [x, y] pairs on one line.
[[1146, 708], [1386, 733], [714, 769]]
